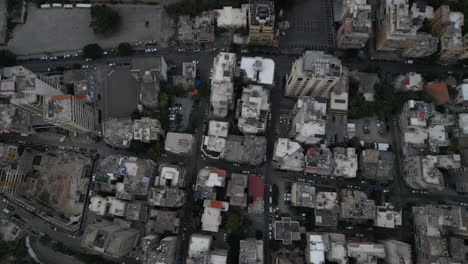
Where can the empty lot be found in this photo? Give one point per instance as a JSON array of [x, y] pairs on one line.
[[61, 30]]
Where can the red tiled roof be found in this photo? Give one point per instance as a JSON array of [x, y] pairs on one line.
[[216, 204], [439, 91], [221, 173], [256, 188]]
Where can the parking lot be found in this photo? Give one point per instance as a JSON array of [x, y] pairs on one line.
[[179, 114], [373, 135], [310, 26], [336, 128], [61, 30]]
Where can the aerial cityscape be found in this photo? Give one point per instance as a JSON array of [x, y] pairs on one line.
[[234, 131]]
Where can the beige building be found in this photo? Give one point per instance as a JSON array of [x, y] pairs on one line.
[[222, 84], [398, 24], [447, 25], [70, 112], [356, 25], [261, 22], [313, 74]]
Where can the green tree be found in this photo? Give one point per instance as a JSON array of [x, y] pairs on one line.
[[234, 222], [204, 90], [6, 249], [197, 115], [155, 149], [92, 51], [135, 114], [138, 147], [453, 145], [125, 49], [76, 66], [163, 112], [7, 58], [194, 224], [453, 92], [275, 194], [104, 20]]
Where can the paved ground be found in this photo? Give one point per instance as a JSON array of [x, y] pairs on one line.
[[373, 136], [187, 104], [59, 30], [311, 26]]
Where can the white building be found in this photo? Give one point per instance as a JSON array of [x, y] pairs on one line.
[[422, 172], [251, 251], [366, 253], [179, 143], [26, 90], [258, 70], [211, 217], [303, 195], [462, 97], [288, 155], [387, 216], [222, 84], [199, 245], [309, 120], [215, 141], [253, 109], [313, 74], [230, 17], [346, 162], [315, 249], [409, 82], [107, 206], [397, 252]]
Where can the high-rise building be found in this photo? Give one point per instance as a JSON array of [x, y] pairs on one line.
[[26, 90], [356, 25], [261, 22], [70, 112], [398, 24], [313, 74], [447, 25]]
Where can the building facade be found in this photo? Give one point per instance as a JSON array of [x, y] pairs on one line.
[[356, 25], [313, 74], [70, 112]]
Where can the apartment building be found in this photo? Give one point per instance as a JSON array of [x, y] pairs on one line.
[[70, 112], [313, 74], [398, 24], [261, 22], [308, 122], [253, 109], [447, 25], [26, 90], [356, 25], [222, 84]]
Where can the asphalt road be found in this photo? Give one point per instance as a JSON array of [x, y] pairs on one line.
[[194, 163]]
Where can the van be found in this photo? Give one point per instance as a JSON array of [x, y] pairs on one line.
[[56, 5]]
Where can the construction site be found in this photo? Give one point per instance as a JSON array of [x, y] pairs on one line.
[[57, 180]]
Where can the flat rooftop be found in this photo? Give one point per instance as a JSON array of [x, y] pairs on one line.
[[121, 93]]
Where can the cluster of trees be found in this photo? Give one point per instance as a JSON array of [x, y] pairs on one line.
[[104, 20], [7, 58], [94, 51], [386, 102]]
